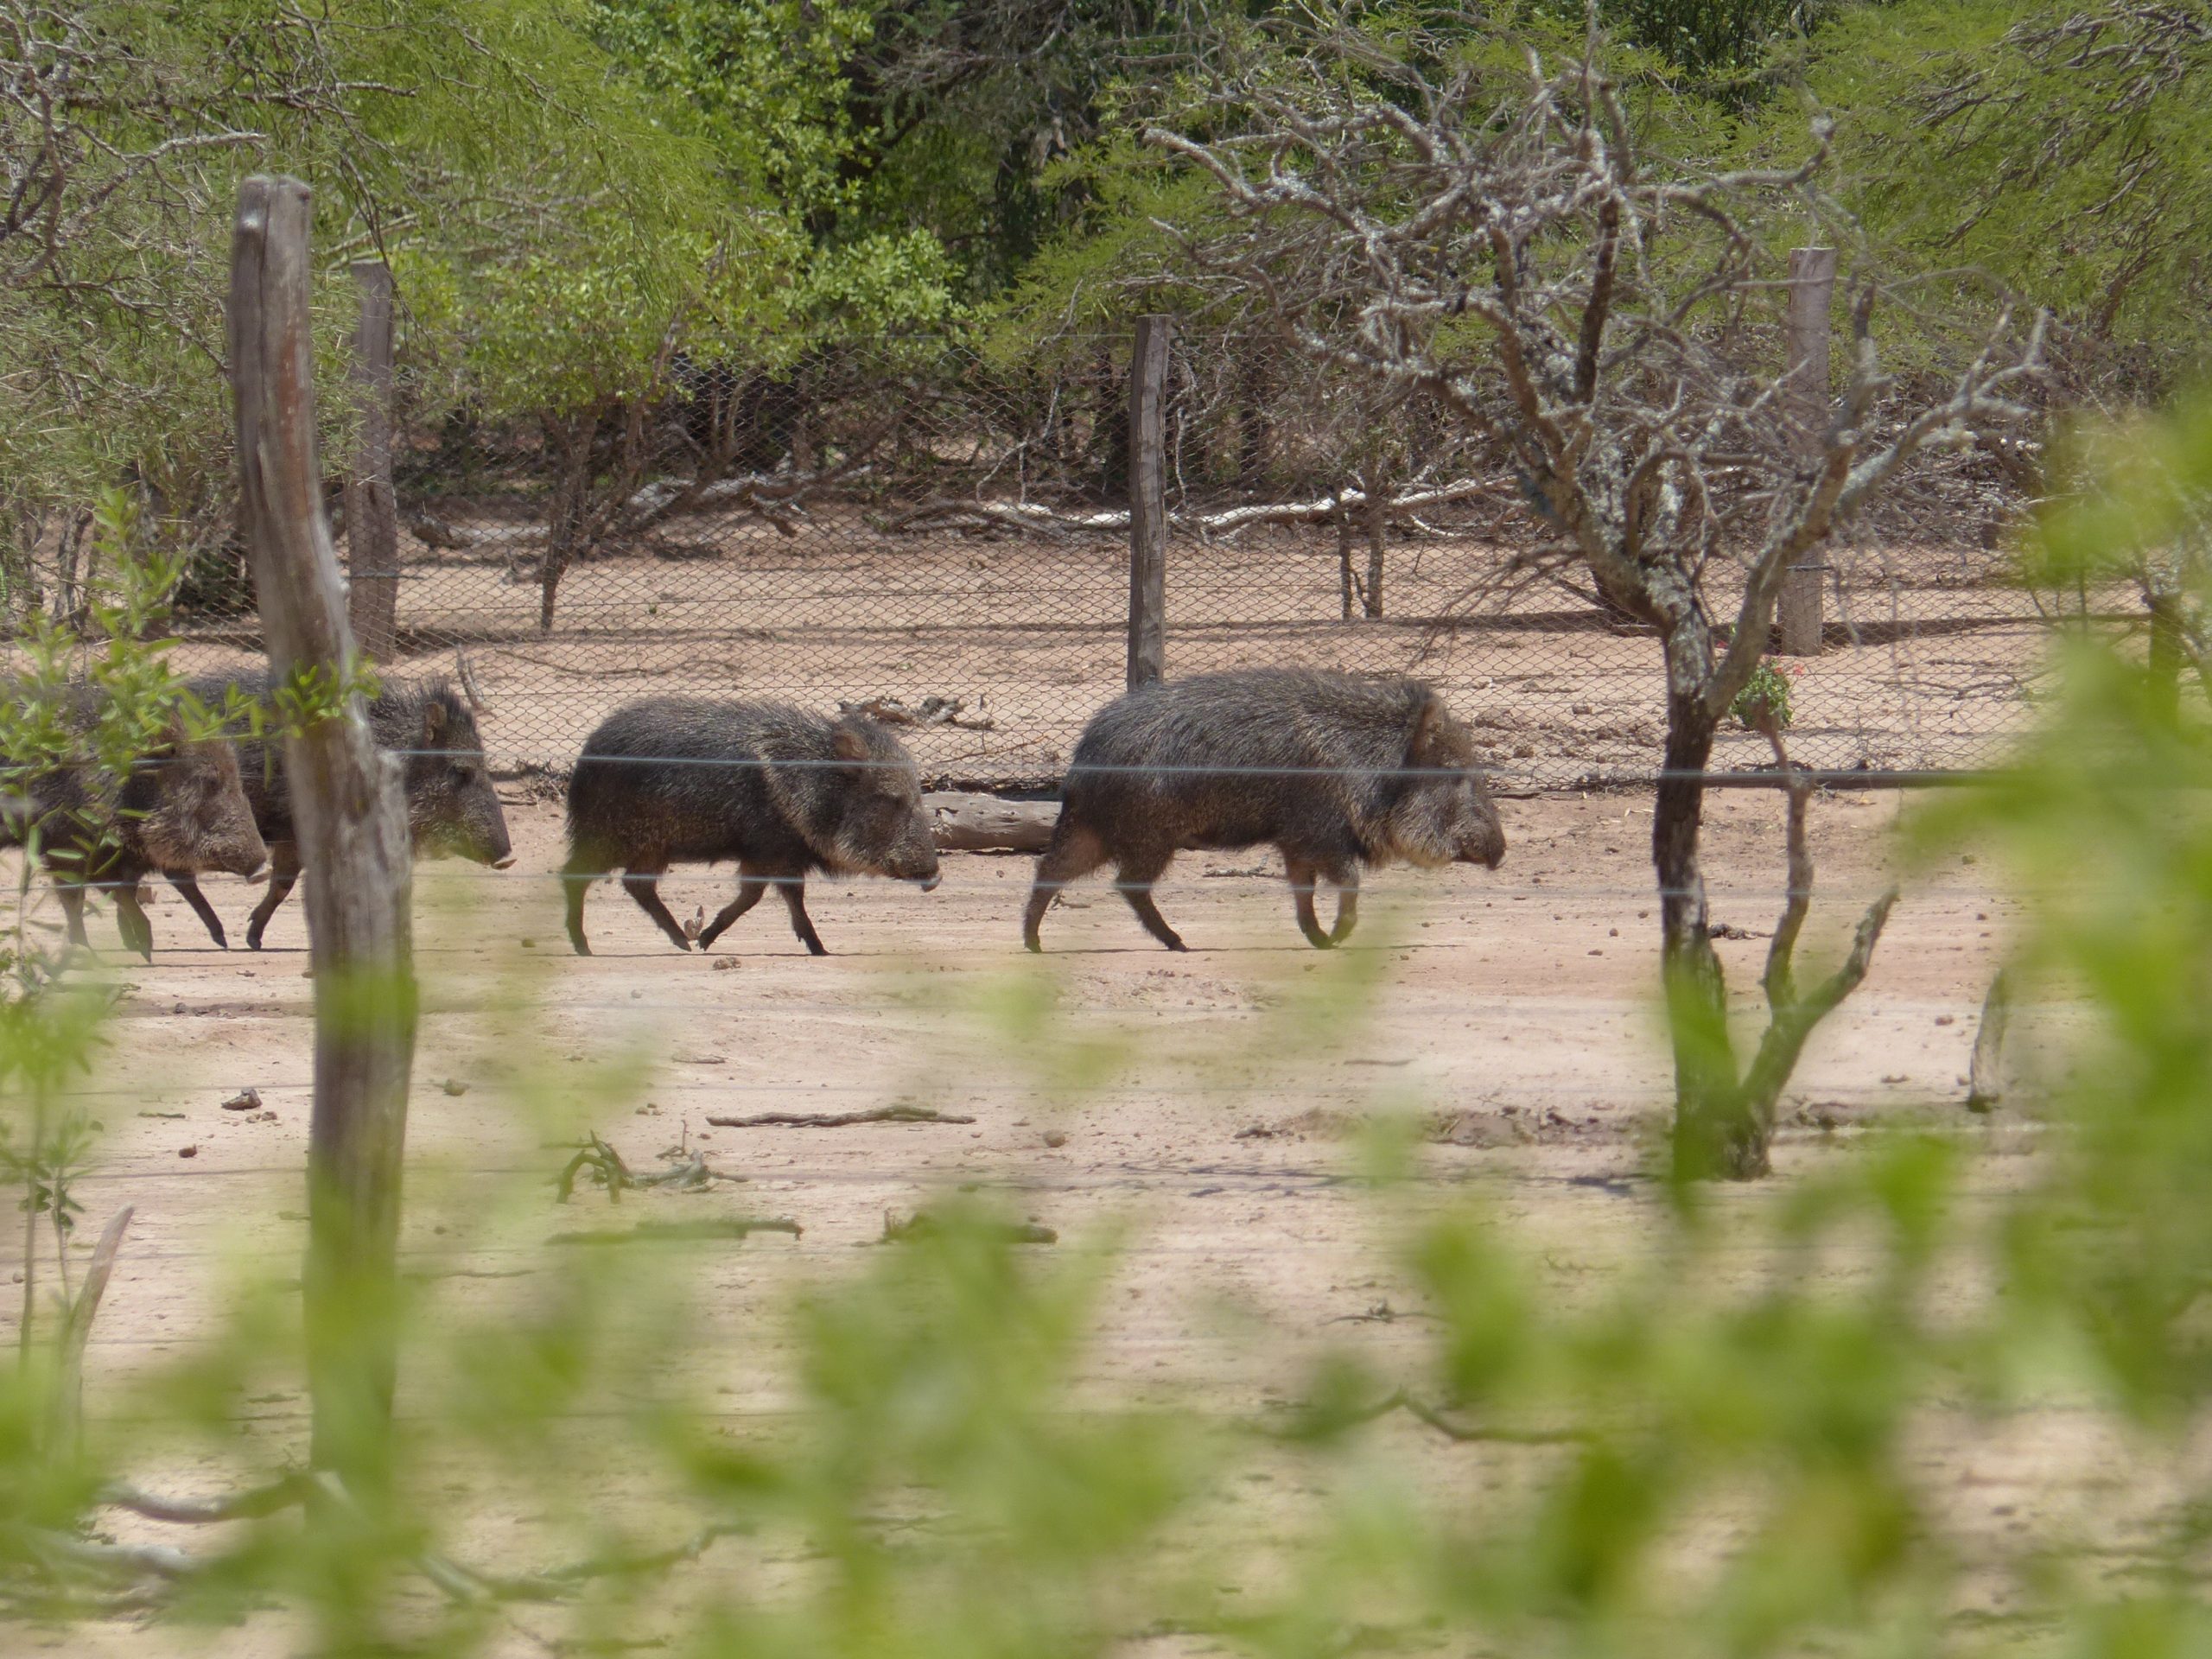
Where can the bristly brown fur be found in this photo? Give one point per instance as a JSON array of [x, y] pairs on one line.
[[1338, 773], [452, 808], [783, 791], [183, 807]]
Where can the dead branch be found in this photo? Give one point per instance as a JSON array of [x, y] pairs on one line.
[[673, 1232], [774, 497], [1451, 1427], [1986, 1073], [467, 1583], [65, 1556], [922, 1224], [605, 1165], [249, 1505], [839, 1120], [77, 1329], [684, 1173], [931, 710], [1032, 516]]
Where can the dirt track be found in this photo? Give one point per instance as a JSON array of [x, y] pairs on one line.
[[1513, 1008], [1519, 999]]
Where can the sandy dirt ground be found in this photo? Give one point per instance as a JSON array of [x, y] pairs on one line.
[[1512, 1009]]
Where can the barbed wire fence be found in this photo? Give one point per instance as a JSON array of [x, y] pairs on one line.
[[940, 535]]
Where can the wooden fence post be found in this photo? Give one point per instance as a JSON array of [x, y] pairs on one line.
[[1149, 502], [371, 510], [352, 826], [1812, 288]]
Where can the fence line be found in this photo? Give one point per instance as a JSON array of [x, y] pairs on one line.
[[914, 528]]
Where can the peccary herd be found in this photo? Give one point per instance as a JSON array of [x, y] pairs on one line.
[[1338, 773]]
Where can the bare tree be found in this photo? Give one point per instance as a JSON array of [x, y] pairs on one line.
[[1500, 242]]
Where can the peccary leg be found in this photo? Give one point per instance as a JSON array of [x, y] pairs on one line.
[[1137, 874], [1303, 876], [793, 888], [644, 886], [1347, 905], [131, 920], [72, 895], [1073, 854], [283, 874], [582, 868], [750, 890], [186, 884]]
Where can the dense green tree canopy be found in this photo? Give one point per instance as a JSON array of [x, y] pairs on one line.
[[568, 186]]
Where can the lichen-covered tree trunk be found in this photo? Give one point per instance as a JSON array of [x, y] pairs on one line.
[[571, 439], [1716, 1136], [1378, 542], [2165, 664]]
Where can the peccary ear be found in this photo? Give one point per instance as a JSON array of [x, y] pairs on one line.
[[847, 744], [433, 724]]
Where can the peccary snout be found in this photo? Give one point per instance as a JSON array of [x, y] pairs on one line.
[[1444, 815], [1337, 772], [452, 808], [910, 857], [200, 818], [782, 792]]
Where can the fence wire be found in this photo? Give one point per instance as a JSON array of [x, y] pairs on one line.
[[938, 535]]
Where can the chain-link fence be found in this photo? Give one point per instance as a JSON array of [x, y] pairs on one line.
[[941, 537]]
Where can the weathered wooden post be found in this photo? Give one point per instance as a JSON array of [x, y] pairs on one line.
[[371, 510], [1378, 541], [1149, 502], [1812, 288], [353, 837]]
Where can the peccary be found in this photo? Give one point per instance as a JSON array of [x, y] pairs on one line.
[[781, 790], [452, 808], [1337, 772], [183, 806]]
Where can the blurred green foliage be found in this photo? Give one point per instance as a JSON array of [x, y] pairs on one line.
[[1756, 1430]]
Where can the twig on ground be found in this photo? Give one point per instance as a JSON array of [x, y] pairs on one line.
[[249, 1505], [605, 1165], [677, 1231], [1985, 1074], [921, 1224], [63, 1556], [839, 1120], [1450, 1427]]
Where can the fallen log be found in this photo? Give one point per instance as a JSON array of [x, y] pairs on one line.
[[1227, 522], [985, 823]]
